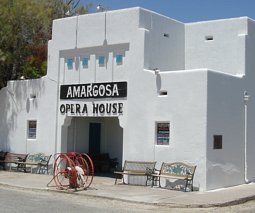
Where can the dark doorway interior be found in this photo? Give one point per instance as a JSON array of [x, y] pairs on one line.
[[94, 138]]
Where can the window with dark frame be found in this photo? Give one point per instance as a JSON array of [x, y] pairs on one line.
[[32, 126], [217, 142]]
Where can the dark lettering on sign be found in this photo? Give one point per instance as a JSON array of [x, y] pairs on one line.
[[73, 108], [108, 108], [103, 108], [96, 90]]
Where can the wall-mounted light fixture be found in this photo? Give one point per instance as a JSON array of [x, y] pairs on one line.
[[246, 97], [156, 71], [32, 97]]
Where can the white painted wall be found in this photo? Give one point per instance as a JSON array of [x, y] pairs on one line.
[[164, 39], [185, 110], [17, 109], [225, 116], [249, 87], [225, 53]]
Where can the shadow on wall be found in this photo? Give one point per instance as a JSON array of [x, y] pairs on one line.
[[16, 100]]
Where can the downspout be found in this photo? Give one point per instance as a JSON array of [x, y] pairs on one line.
[[246, 98]]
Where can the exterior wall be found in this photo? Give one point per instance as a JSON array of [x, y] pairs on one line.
[[109, 38], [228, 43], [185, 110], [164, 39], [17, 108], [234, 163], [249, 87], [225, 116]]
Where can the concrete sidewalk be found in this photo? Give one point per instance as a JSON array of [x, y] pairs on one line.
[[104, 187]]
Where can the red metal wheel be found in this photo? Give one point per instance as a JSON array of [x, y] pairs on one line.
[[89, 173], [63, 170], [81, 167], [84, 169]]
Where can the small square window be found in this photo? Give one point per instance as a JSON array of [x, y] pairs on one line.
[[32, 129], [101, 60], [85, 62], [217, 142], [163, 133], [70, 63], [119, 59]]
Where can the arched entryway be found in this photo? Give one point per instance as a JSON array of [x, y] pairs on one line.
[[97, 136]]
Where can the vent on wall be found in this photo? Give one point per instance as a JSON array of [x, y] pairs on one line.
[[209, 38], [163, 93], [217, 142]]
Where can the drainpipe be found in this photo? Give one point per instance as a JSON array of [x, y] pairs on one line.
[[246, 98]]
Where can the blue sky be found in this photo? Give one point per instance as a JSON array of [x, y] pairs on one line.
[[186, 10]]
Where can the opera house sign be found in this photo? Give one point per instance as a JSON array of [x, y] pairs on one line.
[[93, 91]]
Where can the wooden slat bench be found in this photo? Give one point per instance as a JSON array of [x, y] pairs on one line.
[[13, 158], [39, 160], [176, 170], [135, 168]]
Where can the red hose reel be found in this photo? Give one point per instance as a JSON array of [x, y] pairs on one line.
[[72, 170]]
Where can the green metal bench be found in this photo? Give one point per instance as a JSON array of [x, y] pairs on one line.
[[176, 170], [39, 160]]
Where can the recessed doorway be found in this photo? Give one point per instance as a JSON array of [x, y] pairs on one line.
[[94, 138]]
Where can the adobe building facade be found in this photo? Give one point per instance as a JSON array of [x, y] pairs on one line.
[[141, 86]]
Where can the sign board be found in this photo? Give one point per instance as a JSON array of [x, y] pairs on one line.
[[163, 133], [94, 90]]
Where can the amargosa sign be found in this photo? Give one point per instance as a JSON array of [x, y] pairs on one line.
[[94, 90]]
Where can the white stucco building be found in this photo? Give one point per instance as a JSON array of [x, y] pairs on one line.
[[141, 86]]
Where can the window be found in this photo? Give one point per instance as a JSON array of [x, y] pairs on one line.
[[70, 63], [119, 59], [163, 133], [217, 142], [101, 60], [32, 129], [85, 62]]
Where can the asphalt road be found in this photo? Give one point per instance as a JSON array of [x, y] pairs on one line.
[[16, 200]]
